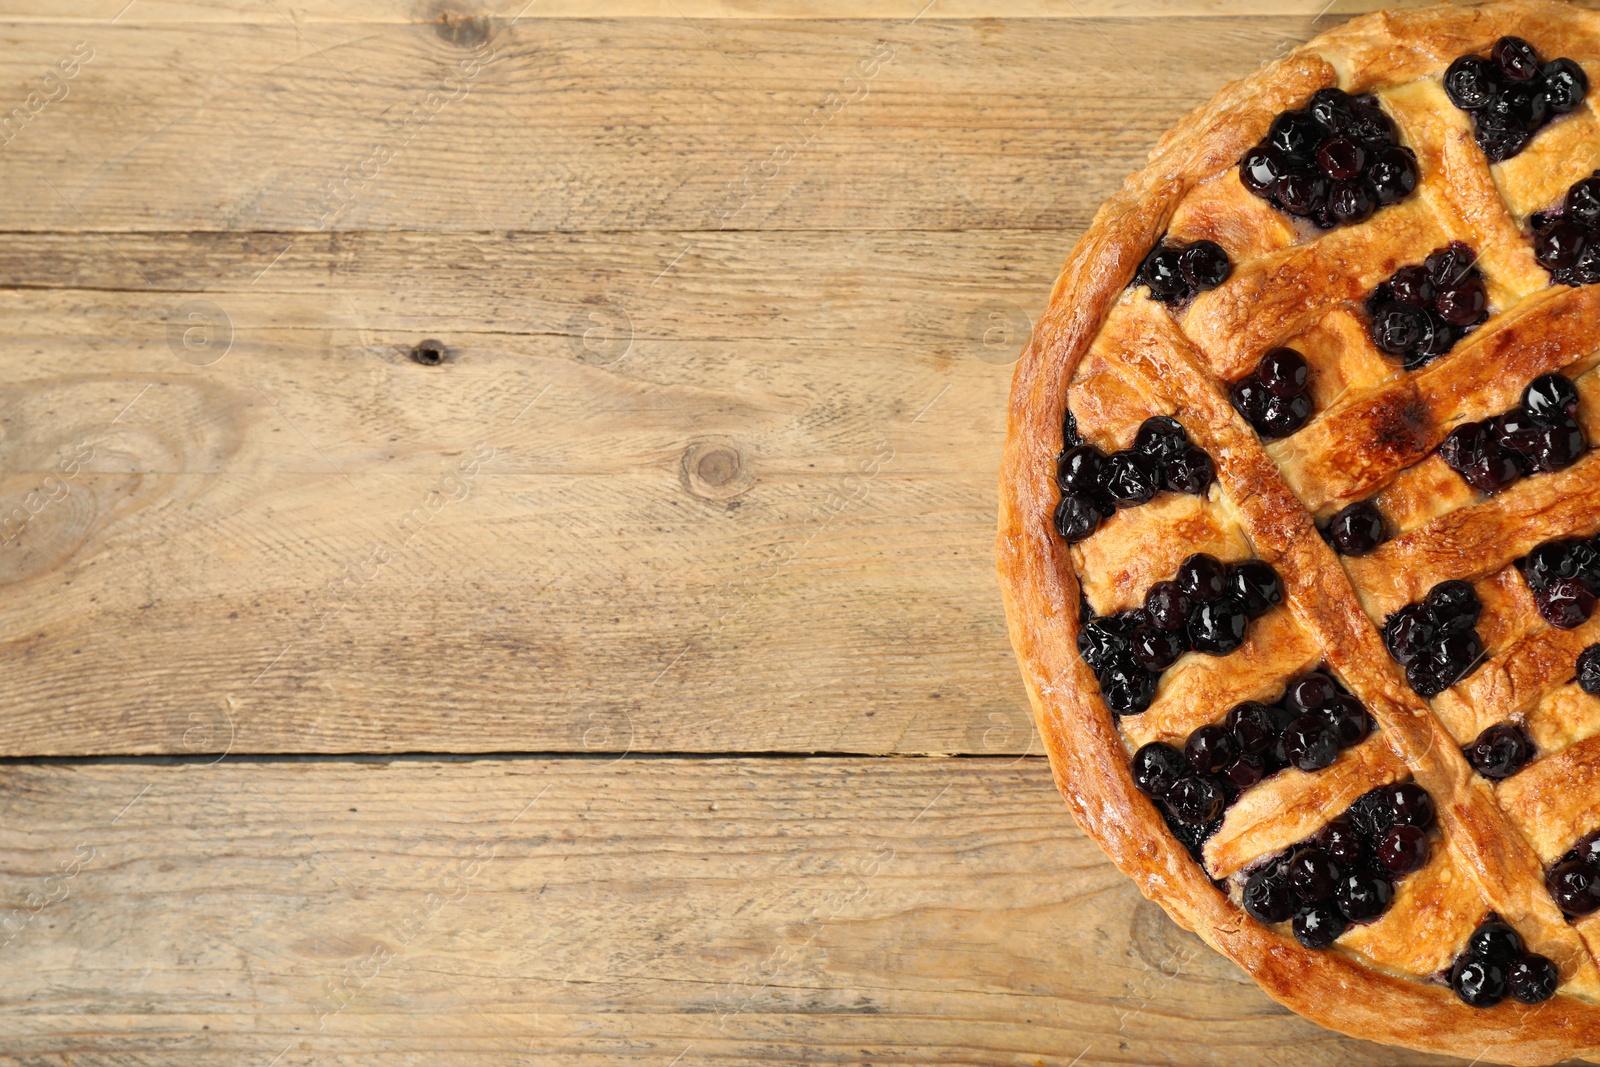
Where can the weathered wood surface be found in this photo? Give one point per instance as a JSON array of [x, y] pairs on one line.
[[751, 506], [595, 912]]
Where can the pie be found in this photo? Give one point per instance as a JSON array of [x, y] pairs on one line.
[[1300, 528]]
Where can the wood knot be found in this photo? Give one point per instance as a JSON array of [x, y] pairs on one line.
[[429, 353], [712, 469], [462, 31]]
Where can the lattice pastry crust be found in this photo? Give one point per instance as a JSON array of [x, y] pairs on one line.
[[1113, 356]]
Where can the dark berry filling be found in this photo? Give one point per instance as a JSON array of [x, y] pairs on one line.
[[1574, 878], [1495, 964], [1540, 434], [1094, 485], [1563, 577], [1205, 608], [1435, 639], [1500, 751], [1589, 670], [1273, 397], [1346, 873], [1511, 95], [1425, 308], [1356, 529], [1176, 272], [1566, 241], [1334, 162]]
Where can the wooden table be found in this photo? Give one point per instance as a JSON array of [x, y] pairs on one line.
[[620, 678]]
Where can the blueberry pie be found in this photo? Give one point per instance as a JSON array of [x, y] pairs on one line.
[[1300, 529]]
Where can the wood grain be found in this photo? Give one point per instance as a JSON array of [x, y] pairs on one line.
[[592, 911]]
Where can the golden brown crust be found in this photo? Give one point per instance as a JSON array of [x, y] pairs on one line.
[[1487, 843]]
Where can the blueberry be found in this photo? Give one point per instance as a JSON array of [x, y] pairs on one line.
[[1081, 470], [1411, 803], [1330, 109], [1517, 431], [1363, 894], [1156, 650], [1156, 766], [1451, 265], [1195, 800], [1465, 305], [1167, 606], [1356, 529], [1454, 606], [1532, 978], [1217, 628], [1313, 692], [1267, 897], [1077, 517], [1372, 814], [1470, 82], [1245, 771], [1101, 643], [1515, 59], [1192, 837], [1069, 431], [1190, 471], [1296, 135], [1351, 201], [1589, 670], [1261, 168], [1284, 416], [1547, 564], [1255, 584], [1454, 656], [1499, 751], [1567, 604], [1565, 85], [1559, 244], [1425, 678], [1368, 123], [1341, 158], [1478, 982], [1587, 850], [1204, 265], [1210, 748], [1342, 841], [1127, 688], [1520, 106], [1402, 849], [1409, 633], [1573, 887], [1496, 942], [1253, 726], [1550, 398], [1163, 275], [1160, 437], [1310, 742], [1318, 925], [1130, 478], [1559, 446], [1283, 372], [1397, 329], [1493, 469], [1412, 287], [1301, 193], [1249, 398], [1393, 174], [1582, 202], [1203, 578], [1348, 718], [1313, 876], [1499, 139], [1434, 339]]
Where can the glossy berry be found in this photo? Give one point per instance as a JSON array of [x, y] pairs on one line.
[[1587, 850], [1451, 265], [1313, 876], [1454, 656], [1245, 771], [1160, 437], [1411, 803], [1371, 815], [1454, 606], [1261, 168], [1402, 849], [1127, 689], [1156, 650], [1532, 979], [1190, 471], [1412, 287], [1203, 578], [1249, 398], [1330, 109], [1318, 925], [1313, 692], [1499, 751], [1397, 329], [1195, 800], [1351, 201], [1348, 718], [1567, 604], [1582, 202], [1464, 305], [1550, 398], [1559, 244], [1284, 416], [1295, 134], [1156, 767], [1310, 742], [1589, 670], [1548, 563], [1161, 272], [1356, 529], [1470, 82], [1081, 470], [1409, 633], [1102, 642], [1363, 894], [1253, 726], [1167, 607], [1496, 942], [1478, 982], [1565, 85], [1301, 193], [1573, 887], [1501, 140], [1393, 175], [1210, 749], [1077, 517], [1515, 59], [1218, 627], [1341, 157], [1343, 842], [1283, 372], [1255, 585], [1069, 431], [1204, 265], [1267, 897], [1130, 478]]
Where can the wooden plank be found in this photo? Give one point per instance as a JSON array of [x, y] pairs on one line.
[[762, 521], [661, 124], [586, 912]]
